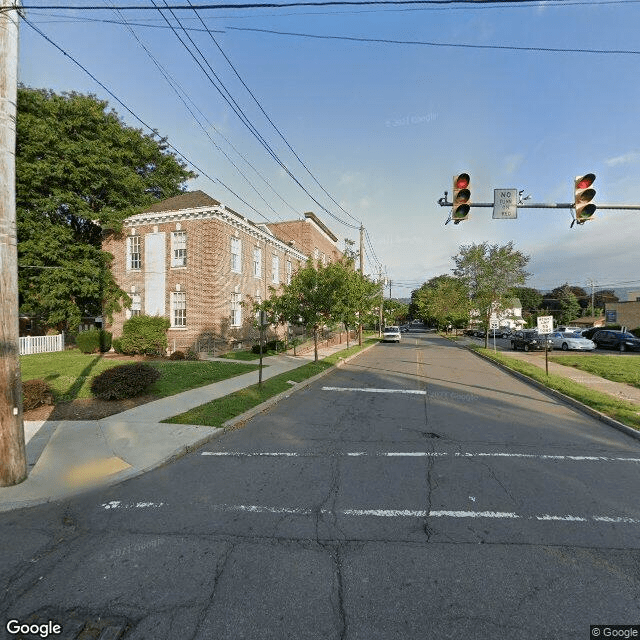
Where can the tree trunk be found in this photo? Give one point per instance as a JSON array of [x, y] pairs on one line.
[[315, 344]]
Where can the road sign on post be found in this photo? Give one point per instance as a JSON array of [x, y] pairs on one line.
[[545, 327], [505, 204]]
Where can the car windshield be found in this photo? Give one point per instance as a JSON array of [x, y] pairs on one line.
[[628, 335], [391, 329], [573, 334]]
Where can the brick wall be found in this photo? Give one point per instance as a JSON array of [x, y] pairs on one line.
[[628, 313], [207, 280]]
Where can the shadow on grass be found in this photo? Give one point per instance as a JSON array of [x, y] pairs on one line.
[[72, 392]]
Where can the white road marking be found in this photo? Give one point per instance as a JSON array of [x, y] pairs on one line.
[[417, 392], [116, 504], [417, 454], [389, 513]]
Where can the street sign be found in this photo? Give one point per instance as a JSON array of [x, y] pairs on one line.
[[505, 204], [545, 325], [493, 323]]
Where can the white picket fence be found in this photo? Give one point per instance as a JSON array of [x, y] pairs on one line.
[[41, 344]]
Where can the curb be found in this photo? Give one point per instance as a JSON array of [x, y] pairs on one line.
[[576, 404], [237, 421]]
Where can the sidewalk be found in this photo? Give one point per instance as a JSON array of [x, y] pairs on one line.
[[618, 390], [66, 457]]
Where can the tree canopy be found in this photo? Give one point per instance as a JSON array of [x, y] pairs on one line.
[[490, 272], [80, 171], [443, 300]]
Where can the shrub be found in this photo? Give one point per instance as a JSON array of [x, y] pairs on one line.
[[191, 355], [93, 341], [636, 332], [125, 381], [117, 347], [144, 335], [275, 345], [36, 393], [177, 355]]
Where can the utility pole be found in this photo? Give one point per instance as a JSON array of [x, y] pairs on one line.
[[593, 308], [381, 301], [362, 275], [13, 461], [389, 289]]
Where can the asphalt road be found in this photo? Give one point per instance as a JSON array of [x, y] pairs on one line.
[[418, 492]]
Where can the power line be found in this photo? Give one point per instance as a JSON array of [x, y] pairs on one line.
[[266, 115], [321, 3], [239, 111], [436, 44]]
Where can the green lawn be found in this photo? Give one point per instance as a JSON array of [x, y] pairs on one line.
[[612, 367], [620, 410], [70, 373], [217, 412]]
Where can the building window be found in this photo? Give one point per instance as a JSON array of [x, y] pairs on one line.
[[179, 307], [288, 269], [316, 254], [257, 262], [236, 310], [324, 259], [236, 255], [136, 304], [179, 249], [275, 270], [133, 251], [258, 300]]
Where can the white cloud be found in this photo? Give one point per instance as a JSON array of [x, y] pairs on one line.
[[627, 158], [513, 162]]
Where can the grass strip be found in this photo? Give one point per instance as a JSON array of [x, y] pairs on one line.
[[217, 412], [611, 367], [620, 410], [249, 355]]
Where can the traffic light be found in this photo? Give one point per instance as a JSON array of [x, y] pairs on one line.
[[461, 197], [583, 196]]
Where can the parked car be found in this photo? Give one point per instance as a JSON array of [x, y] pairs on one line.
[[568, 329], [391, 334], [571, 340], [589, 333], [530, 340], [621, 340]]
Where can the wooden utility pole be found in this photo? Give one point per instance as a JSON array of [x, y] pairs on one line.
[[362, 274], [13, 461]]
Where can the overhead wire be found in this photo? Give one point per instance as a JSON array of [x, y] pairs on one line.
[[239, 111], [266, 115]]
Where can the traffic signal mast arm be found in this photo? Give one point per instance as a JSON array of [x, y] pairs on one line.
[[548, 205]]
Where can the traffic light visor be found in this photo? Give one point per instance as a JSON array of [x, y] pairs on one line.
[[586, 181], [462, 181]]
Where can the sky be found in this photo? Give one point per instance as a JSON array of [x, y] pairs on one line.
[[382, 127]]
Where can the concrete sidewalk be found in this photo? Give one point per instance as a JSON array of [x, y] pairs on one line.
[[66, 457]]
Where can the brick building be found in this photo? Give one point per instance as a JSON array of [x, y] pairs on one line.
[[201, 265], [626, 314]]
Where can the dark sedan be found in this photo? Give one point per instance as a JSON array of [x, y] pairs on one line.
[[620, 340], [530, 341]]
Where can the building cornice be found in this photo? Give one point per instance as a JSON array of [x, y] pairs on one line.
[[220, 213]]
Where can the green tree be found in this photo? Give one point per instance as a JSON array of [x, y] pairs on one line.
[[569, 305], [490, 272], [530, 298], [444, 300], [80, 171]]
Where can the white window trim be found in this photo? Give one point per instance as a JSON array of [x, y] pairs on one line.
[[257, 263], [275, 269], [288, 270], [174, 295], [178, 262], [130, 240], [236, 257], [236, 306]]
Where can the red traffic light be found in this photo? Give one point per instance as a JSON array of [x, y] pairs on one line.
[[462, 181], [586, 181]]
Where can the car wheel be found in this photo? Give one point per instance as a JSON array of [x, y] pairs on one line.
[[565, 346], [526, 347], [513, 346]]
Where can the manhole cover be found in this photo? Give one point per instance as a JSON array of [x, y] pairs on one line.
[[69, 625]]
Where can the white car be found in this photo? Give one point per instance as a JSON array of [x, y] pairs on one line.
[[571, 340], [391, 334]]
